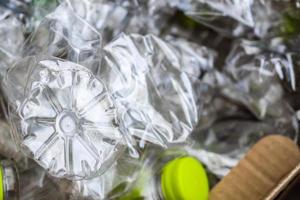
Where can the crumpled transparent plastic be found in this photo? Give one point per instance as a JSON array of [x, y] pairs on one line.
[[238, 17], [271, 57], [239, 10], [113, 17], [144, 91], [139, 89], [64, 34], [108, 17], [217, 164], [154, 84], [77, 30], [38, 10], [243, 106], [11, 39]]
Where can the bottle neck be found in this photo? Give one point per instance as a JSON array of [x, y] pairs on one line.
[[161, 161]]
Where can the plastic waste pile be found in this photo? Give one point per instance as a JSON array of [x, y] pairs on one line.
[[142, 99]]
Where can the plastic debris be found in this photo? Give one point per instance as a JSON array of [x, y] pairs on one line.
[[243, 17], [92, 88], [165, 175], [11, 39], [61, 109], [66, 120]]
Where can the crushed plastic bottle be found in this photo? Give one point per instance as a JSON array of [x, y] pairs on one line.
[[67, 121], [172, 174], [157, 100], [9, 181]]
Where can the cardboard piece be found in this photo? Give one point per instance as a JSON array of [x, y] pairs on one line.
[[264, 173]]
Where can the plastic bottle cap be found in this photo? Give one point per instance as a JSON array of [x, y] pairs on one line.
[[1, 184], [185, 179]]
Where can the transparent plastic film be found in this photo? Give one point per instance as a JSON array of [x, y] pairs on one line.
[[66, 35], [111, 18], [39, 9], [107, 17], [241, 17], [245, 102], [272, 58], [11, 39], [153, 84], [240, 10], [226, 17], [77, 30]]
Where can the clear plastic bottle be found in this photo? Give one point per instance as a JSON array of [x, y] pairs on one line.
[[66, 120], [170, 175], [9, 181]]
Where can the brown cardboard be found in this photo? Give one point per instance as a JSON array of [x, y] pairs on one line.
[[263, 173]]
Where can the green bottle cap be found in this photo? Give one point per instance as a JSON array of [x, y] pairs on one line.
[[185, 179], [1, 184]]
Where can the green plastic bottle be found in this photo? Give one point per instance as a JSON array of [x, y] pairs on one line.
[[9, 182]]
